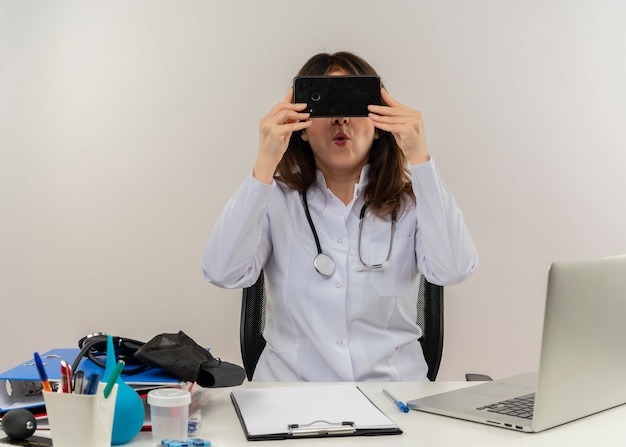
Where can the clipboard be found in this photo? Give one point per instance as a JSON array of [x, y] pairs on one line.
[[293, 412]]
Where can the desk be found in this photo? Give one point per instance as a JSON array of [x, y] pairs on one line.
[[222, 427]]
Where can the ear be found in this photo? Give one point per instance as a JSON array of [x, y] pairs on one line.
[[304, 136], [376, 134]]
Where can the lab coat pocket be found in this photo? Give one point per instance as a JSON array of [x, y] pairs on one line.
[[409, 363], [277, 365], [394, 279]]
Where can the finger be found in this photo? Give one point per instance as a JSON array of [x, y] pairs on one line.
[[388, 119], [289, 100], [288, 106], [283, 108], [289, 116], [388, 113], [289, 96], [387, 99], [384, 126], [298, 125], [398, 112], [388, 110], [280, 132]]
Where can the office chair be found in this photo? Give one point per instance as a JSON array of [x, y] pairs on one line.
[[429, 318]]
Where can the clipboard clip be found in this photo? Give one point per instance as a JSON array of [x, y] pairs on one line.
[[322, 428]]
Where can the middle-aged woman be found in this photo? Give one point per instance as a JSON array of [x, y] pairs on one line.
[[363, 197]]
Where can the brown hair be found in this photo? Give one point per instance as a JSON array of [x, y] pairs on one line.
[[389, 184]]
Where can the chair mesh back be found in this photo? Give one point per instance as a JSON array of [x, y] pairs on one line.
[[252, 325], [429, 318]]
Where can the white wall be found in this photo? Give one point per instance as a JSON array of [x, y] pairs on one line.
[[126, 125]]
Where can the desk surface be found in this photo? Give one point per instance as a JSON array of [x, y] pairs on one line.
[[221, 425]]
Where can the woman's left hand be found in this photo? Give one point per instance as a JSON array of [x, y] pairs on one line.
[[405, 124]]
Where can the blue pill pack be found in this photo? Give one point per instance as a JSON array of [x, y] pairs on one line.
[[191, 442]]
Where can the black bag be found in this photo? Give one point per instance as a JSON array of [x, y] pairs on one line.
[[179, 355]]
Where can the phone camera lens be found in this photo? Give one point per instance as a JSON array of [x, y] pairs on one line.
[[316, 96]]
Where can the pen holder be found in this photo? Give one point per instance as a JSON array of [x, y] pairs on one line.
[[80, 420]]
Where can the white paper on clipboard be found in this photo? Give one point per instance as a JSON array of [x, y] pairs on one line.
[[269, 412]]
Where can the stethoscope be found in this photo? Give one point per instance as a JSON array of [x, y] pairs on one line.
[[324, 264]]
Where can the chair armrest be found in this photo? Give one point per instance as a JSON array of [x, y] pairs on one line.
[[473, 377]]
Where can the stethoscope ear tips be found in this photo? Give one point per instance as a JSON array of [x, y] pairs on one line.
[[362, 267]]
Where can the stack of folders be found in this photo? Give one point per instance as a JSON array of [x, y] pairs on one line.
[[20, 387]]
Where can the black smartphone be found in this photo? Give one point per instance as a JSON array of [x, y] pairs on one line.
[[328, 96]]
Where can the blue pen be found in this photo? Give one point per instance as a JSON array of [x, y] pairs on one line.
[[42, 373], [401, 405], [92, 383]]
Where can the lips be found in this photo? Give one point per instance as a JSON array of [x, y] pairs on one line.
[[341, 138]]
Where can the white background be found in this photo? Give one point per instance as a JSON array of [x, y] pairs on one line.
[[126, 125]]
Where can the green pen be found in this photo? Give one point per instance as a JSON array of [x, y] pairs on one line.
[[119, 366]]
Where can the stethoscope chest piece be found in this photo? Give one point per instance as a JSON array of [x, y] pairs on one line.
[[324, 265]]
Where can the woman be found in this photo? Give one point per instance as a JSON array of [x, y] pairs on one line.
[[350, 314]]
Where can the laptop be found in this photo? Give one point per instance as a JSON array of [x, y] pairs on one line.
[[582, 368]]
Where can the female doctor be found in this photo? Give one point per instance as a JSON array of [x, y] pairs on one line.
[[342, 214]]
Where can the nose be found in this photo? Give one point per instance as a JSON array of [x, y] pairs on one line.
[[339, 120]]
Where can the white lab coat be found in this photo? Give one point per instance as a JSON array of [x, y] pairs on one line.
[[358, 324]]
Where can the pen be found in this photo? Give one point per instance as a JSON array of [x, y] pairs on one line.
[[401, 405], [114, 376], [66, 377], [79, 382], [92, 383], [42, 373]]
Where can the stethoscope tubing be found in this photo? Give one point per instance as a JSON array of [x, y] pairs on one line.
[[323, 263]]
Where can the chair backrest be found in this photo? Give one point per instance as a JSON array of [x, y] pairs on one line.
[[252, 324], [429, 318]]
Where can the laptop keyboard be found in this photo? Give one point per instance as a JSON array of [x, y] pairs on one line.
[[520, 406]]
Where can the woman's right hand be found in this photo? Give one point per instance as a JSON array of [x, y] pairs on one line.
[[275, 131]]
